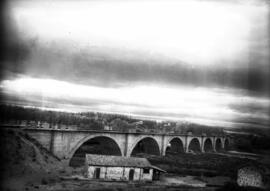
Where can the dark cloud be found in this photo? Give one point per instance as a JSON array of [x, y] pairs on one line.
[[253, 107], [254, 112], [110, 67], [15, 50]]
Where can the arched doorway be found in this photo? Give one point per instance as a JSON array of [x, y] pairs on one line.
[[98, 145], [194, 146], [208, 146], [226, 145], [175, 146], [147, 145], [218, 145]]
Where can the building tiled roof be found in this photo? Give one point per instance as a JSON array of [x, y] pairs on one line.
[[108, 160], [157, 168]]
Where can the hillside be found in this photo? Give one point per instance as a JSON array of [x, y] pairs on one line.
[[24, 163]]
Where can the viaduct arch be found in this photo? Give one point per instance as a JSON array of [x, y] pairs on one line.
[[116, 142], [218, 145], [194, 145], [175, 145], [97, 145], [146, 144], [227, 144], [208, 145]]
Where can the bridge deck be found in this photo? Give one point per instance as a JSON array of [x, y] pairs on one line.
[[120, 132]]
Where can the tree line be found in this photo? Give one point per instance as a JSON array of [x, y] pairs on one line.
[[97, 121]]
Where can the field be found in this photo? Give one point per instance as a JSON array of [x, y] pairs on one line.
[[205, 164]]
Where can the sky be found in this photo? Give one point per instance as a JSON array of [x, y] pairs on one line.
[[202, 61]]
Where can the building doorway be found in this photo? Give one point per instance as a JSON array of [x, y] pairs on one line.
[[97, 173], [131, 174], [156, 175]]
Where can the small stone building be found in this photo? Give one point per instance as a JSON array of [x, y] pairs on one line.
[[250, 175], [119, 168]]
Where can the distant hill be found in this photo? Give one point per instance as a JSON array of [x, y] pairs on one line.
[[36, 117]]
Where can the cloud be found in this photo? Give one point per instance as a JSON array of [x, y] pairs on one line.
[[223, 106], [113, 67], [15, 49]]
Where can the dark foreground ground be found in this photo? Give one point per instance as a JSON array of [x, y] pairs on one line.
[[26, 165]]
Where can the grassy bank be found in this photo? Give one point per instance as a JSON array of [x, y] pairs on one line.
[[204, 164]]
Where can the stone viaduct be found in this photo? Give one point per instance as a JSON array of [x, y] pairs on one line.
[[64, 143]]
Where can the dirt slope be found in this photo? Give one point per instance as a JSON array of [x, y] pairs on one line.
[[24, 162]]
